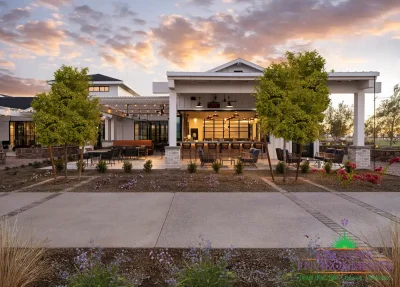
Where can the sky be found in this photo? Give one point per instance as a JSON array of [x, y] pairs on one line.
[[137, 41]]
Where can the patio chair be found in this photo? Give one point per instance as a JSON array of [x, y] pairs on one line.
[[290, 157], [87, 156], [336, 157], [186, 150], [250, 157], [206, 158], [324, 155], [197, 146], [259, 146], [143, 151], [110, 156], [246, 147]]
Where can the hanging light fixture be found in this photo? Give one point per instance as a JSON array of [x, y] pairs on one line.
[[229, 105], [236, 114], [215, 115], [199, 103]]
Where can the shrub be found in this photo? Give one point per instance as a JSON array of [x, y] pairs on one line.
[[305, 166], [30, 164], [91, 272], [59, 164], [148, 165], [78, 164], [328, 167], [239, 166], [36, 164], [216, 165], [192, 167], [127, 166], [280, 167], [350, 166], [101, 166], [22, 166], [23, 266]]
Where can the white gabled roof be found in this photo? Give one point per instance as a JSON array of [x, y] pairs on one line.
[[236, 62]]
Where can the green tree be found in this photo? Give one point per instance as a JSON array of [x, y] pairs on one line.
[[388, 115], [77, 114], [338, 121], [291, 98]]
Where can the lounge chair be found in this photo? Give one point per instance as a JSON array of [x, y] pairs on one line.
[[206, 158], [290, 157], [250, 157]]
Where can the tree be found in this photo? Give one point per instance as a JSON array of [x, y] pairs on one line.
[[291, 98], [338, 122], [388, 114], [46, 121], [76, 116]]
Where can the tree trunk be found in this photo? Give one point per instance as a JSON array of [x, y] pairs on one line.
[[53, 168], [66, 162], [81, 163], [284, 160], [298, 161], [269, 158]]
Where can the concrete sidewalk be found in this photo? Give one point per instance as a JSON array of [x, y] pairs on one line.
[[242, 220]]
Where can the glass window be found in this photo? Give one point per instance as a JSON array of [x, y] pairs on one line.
[[102, 89]]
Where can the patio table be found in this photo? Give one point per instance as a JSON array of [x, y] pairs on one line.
[[97, 152]]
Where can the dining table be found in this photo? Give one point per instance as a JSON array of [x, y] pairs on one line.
[[96, 153]]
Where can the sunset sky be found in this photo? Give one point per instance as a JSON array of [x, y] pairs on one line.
[[137, 41]]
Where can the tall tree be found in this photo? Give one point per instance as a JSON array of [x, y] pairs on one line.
[[388, 114], [292, 97], [77, 116], [338, 121]]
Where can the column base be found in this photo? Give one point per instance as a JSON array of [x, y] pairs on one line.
[[361, 155], [172, 157]]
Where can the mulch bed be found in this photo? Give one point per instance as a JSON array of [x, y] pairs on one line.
[[389, 183], [17, 178], [152, 273], [179, 181], [292, 185]]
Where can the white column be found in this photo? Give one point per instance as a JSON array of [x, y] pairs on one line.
[[112, 128], [172, 118], [359, 116], [106, 130]]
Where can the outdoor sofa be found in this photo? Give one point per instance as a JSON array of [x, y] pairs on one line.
[[126, 143]]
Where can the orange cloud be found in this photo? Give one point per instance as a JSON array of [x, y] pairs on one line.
[[16, 86]]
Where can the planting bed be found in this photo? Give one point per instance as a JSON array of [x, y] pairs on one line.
[[17, 178]]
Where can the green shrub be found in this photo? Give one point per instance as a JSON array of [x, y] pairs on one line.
[[99, 276], [239, 166], [216, 165], [101, 166], [59, 164], [305, 166], [192, 167], [328, 166], [280, 167], [127, 166], [78, 164], [206, 273], [297, 279], [30, 164], [148, 165]]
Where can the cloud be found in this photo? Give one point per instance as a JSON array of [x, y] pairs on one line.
[[82, 14], [121, 10], [201, 2], [3, 4], [53, 4], [22, 56], [14, 16], [89, 29], [78, 39], [6, 64], [254, 33], [181, 40], [16, 86], [40, 37], [139, 21]]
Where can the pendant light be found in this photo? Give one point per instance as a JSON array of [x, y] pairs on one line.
[[199, 103], [215, 115], [229, 105]]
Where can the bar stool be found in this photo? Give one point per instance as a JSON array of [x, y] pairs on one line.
[[259, 146], [224, 149], [246, 147], [235, 149], [212, 148], [197, 146], [187, 149]]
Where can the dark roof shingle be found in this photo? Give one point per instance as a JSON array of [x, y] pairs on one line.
[[16, 102], [103, 78]]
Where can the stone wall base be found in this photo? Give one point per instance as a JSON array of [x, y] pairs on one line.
[[361, 155], [172, 157]]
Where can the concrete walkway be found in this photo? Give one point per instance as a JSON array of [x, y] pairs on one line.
[[242, 220]]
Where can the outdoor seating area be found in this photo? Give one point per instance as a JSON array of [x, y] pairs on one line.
[[219, 150], [334, 155], [291, 158], [135, 143], [116, 154]]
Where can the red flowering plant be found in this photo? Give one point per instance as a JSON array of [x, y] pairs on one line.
[[350, 166]]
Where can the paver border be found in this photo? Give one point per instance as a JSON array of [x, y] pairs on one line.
[[356, 201], [325, 219]]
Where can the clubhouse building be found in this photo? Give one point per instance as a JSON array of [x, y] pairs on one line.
[[216, 106]]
